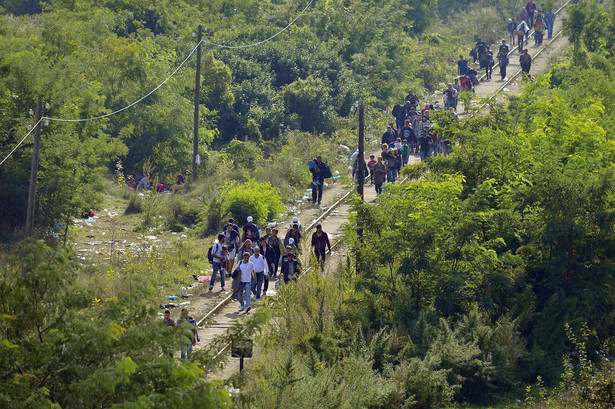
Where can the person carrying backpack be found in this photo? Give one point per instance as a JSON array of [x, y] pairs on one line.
[[319, 174], [462, 65], [218, 254]]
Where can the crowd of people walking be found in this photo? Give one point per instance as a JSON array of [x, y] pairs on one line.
[[252, 260]]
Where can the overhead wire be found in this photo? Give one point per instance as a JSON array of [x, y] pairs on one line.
[[20, 142], [267, 39], [135, 102]]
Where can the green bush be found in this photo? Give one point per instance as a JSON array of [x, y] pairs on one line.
[[251, 198], [135, 205]]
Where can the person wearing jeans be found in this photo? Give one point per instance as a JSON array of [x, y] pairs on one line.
[[219, 253], [260, 270], [246, 271]]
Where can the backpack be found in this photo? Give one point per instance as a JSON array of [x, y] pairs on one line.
[[327, 172], [395, 110], [210, 254]]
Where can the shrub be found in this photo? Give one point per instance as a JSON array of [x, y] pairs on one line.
[[251, 198], [135, 205]]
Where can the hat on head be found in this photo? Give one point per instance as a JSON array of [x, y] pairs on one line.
[[291, 241], [295, 219], [250, 219]]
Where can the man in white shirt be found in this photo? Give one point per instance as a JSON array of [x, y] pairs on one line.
[[246, 277], [260, 270]]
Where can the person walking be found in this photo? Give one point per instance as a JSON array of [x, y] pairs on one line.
[[402, 113], [319, 173], [186, 322], [503, 63], [219, 253], [481, 48], [269, 255], [489, 63], [522, 30], [391, 161], [320, 242], [294, 234], [245, 249], [370, 165], [526, 62], [295, 220], [504, 48], [246, 277], [261, 270], [457, 89], [511, 27], [424, 145], [231, 239], [531, 9], [290, 268], [538, 30], [250, 231], [549, 21], [405, 152], [413, 99], [380, 174], [277, 246], [449, 94]]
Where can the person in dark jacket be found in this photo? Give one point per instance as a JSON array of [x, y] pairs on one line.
[[269, 254], [295, 234], [320, 242], [318, 179], [402, 113], [290, 268]]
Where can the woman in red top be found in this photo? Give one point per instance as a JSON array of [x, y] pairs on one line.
[[320, 242]]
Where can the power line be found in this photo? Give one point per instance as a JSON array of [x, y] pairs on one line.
[[20, 142], [267, 39], [134, 103]]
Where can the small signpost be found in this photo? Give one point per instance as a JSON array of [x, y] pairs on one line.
[[242, 348]]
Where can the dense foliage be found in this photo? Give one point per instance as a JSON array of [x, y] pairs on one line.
[[64, 348], [90, 57]]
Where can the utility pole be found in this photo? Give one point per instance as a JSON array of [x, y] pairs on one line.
[[313, 20], [361, 157], [34, 170], [360, 178], [197, 89]]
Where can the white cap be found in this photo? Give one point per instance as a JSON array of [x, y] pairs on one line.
[[250, 219], [291, 241], [295, 220]]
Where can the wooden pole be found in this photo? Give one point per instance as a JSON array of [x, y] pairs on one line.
[[360, 180], [361, 156], [34, 170], [197, 89]]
